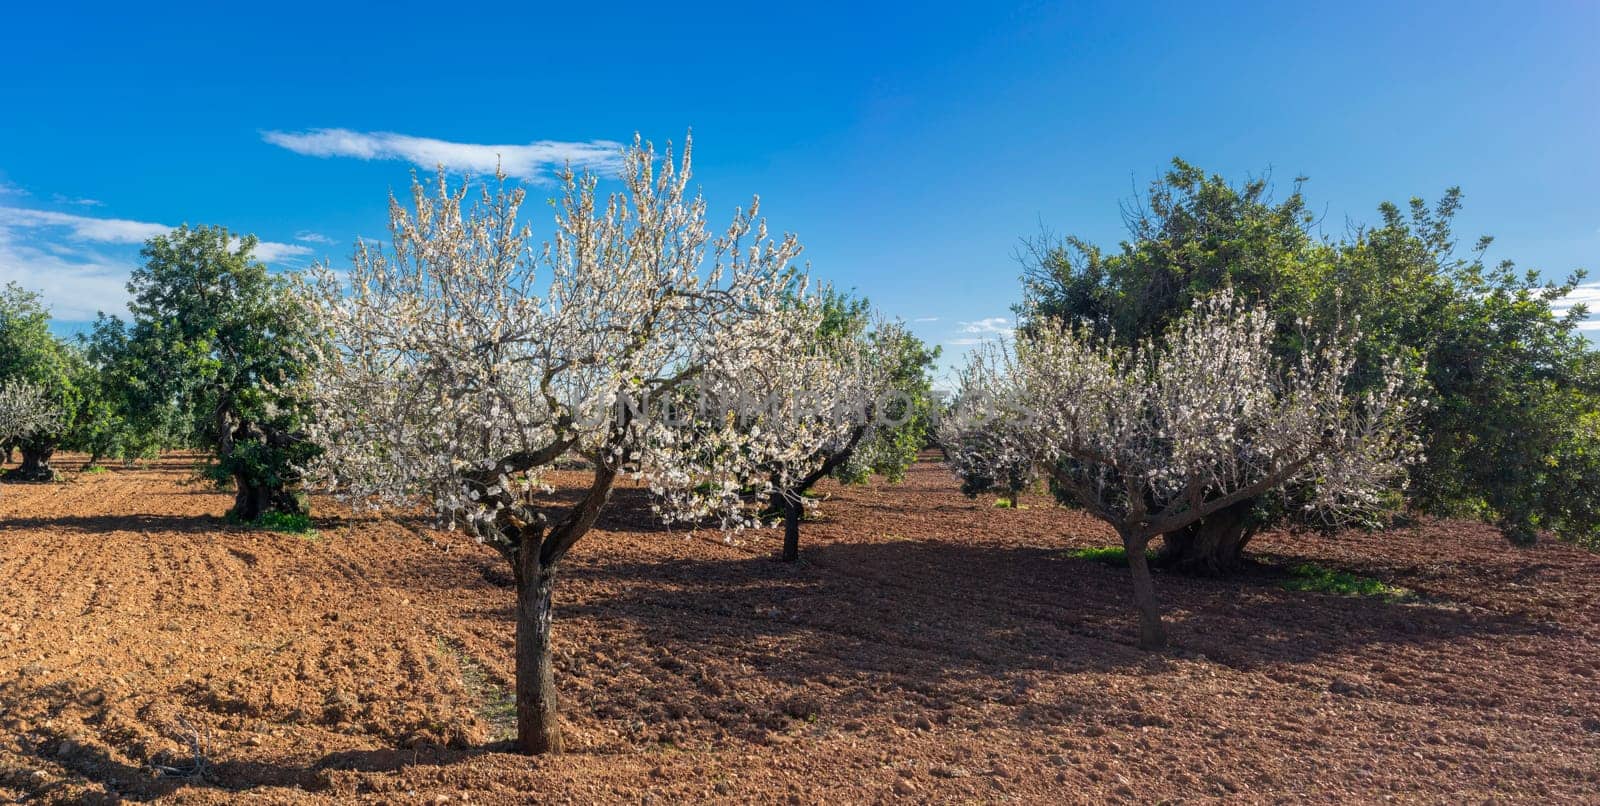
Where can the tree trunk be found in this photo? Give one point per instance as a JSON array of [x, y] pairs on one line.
[[252, 500], [35, 464], [1212, 546], [1152, 635], [538, 710], [792, 512]]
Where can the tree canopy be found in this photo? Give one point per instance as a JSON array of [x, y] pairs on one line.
[[216, 352], [1507, 380]]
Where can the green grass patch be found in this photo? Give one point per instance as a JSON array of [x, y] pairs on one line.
[[288, 523], [94, 470], [1317, 579], [494, 703], [1003, 503], [1109, 555]]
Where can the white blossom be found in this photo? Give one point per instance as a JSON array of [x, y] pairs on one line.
[[1154, 438], [463, 363]]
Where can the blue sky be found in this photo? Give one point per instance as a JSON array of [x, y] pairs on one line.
[[910, 147]]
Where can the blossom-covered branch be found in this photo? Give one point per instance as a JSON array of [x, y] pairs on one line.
[[1154, 438]]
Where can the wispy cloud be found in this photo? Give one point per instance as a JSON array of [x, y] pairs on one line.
[[76, 283], [81, 263], [273, 252], [995, 325], [1587, 295], [981, 331], [926, 319], [8, 189], [308, 236], [85, 228], [64, 199], [533, 161]]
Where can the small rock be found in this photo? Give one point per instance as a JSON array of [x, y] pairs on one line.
[[904, 787], [723, 788]]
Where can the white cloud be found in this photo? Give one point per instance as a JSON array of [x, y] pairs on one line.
[[61, 199], [75, 283], [997, 325], [312, 237], [533, 161], [8, 189], [273, 252], [967, 342], [926, 319], [81, 263], [1587, 295], [120, 230], [85, 228]]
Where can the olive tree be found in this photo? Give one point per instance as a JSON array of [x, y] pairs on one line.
[[459, 365], [1152, 438], [30, 353], [25, 410]]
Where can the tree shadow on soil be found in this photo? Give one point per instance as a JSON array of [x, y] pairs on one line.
[[930, 606], [121, 781], [102, 524]]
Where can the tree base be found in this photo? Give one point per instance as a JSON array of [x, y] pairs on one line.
[[33, 475], [250, 503], [1212, 547]]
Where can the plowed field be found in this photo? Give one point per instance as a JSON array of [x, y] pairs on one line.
[[928, 648]]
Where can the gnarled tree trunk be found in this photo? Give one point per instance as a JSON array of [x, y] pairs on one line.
[[35, 463], [1211, 546], [253, 496], [252, 499]]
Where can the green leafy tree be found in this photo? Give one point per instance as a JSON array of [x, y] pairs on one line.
[[219, 344], [1508, 380], [890, 449], [135, 415]]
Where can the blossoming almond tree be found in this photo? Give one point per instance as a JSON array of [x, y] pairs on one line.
[[823, 404], [25, 410], [1151, 439], [462, 363]]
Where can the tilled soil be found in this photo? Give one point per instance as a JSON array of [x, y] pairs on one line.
[[927, 648]]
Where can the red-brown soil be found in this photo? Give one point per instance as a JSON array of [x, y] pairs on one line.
[[928, 648]]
